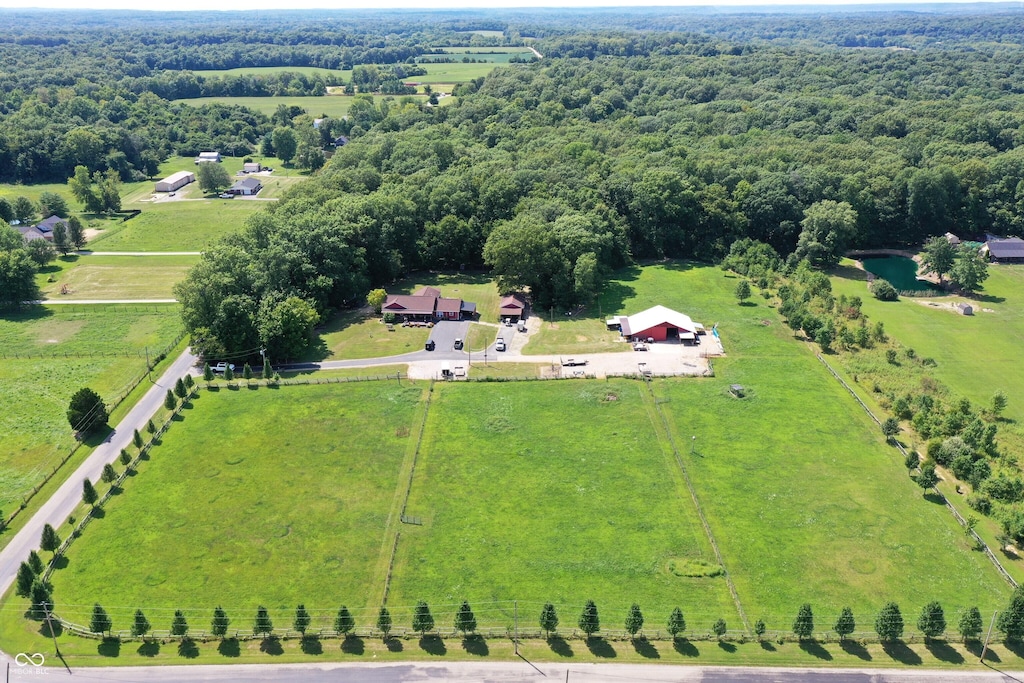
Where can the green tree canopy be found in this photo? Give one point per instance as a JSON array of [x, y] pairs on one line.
[[212, 177], [827, 228], [889, 623], [422, 619], [140, 624], [87, 411], [932, 622], [676, 622], [589, 622], [938, 256], [634, 620], [803, 626], [465, 620], [548, 619], [845, 624], [100, 621]]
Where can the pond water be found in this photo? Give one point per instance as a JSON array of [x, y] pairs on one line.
[[900, 271]]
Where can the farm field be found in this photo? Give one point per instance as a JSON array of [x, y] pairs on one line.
[[263, 70], [229, 513], [113, 277], [50, 352], [538, 491], [495, 55], [532, 492]]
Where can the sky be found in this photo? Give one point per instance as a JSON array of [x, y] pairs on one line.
[[414, 4]]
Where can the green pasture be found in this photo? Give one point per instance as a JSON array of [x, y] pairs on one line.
[[113, 277], [550, 491], [48, 353], [230, 512], [334, 106], [176, 226], [495, 55], [974, 355], [344, 75]]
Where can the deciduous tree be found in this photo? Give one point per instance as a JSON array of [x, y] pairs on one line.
[[87, 411], [938, 256], [1011, 620], [969, 270], [742, 290], [376, 298], [284, 143], [719, 628], [76, 232], [212, 177]]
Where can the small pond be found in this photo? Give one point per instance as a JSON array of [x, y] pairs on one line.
[[900, 271]]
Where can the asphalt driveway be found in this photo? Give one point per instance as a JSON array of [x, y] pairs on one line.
[[445, 332]]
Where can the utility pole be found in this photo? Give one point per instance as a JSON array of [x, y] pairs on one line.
[[148, 367], [49, 626], [985, 648], [693, 444]]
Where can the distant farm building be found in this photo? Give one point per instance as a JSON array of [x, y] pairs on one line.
[[246, 187], [512, 307], [964, 308], [426, 305], [175, 181], [252, 167], [657, 323], [1009, 250], [41, 230], [952, 239], [208, 156]]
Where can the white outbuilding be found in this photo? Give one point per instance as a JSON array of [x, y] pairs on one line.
[[175, 181]]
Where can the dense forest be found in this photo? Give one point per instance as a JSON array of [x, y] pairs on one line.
[[554, 174]]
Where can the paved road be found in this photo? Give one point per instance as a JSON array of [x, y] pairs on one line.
[[69, 495], [500, 672]]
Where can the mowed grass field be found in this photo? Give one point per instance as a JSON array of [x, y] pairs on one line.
[[48, 353], [551, 491], [177, 226], [113, 277], [231, 512]]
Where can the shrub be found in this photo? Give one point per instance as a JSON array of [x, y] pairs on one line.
[[884, 291]]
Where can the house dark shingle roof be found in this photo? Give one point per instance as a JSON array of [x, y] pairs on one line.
[[1012, 247]]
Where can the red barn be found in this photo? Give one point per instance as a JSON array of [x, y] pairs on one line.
[[660, 324]]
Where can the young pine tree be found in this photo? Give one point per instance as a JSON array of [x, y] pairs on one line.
[[36, 563], [676, 623], [40, 598], [89, 495], [344, 623], [302, 619], [548, 619], [590, 622], [932, 622], [179, 625], [219, 624], [422, 619], [26, 577], [137, 439], [803, 626], [125, 457], [759, 629], [49, 541], [263, 625], [207, 373], [634, 620], [100, 622], [889, 623], [179, 388], [465, 620], [384, 622], [109, 474], [970, 624], [169, 401], [845, 625], [719, 628], [140, 626], [246, 372]]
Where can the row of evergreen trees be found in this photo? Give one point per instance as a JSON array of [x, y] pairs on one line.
[[889, 622]]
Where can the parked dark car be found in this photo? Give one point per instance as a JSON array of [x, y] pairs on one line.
[[429, 346]]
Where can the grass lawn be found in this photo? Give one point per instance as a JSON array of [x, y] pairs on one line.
[[334, 106], [176, 226], [229, 513], [48, 354], [480, 336], [549, 491], [358, 334], [113, 277]]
